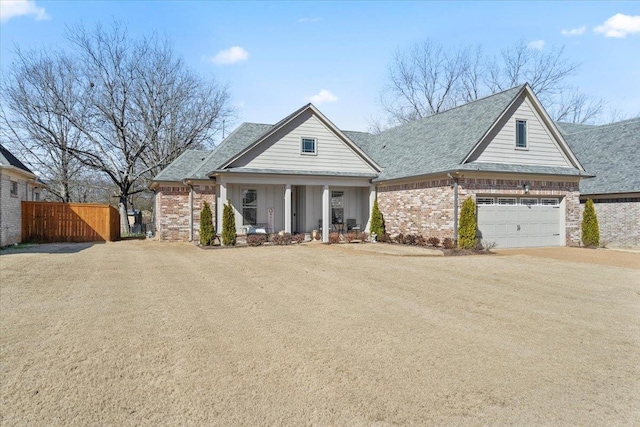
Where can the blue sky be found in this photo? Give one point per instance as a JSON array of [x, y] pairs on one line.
[[287, 53]]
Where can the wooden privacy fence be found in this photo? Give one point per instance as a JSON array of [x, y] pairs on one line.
[[48, 222]]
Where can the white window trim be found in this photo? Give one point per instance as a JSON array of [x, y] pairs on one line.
[[14, 183], [554, 201], [522, 199], [515, 201], [493, 201], [315, 146], [242, 189], [526, 134]]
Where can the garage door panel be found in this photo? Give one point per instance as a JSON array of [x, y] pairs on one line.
[[520, 225]]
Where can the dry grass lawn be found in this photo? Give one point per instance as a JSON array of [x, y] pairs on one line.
[[148, 333]]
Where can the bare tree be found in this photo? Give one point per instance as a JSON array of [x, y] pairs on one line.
[[473, 73], [576, 107], [423, 80], [35, 87], [427, 78], [546, 70], [137, 106]]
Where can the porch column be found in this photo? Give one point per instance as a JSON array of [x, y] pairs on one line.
[[325, 214], [222, 200], [190, 212], [372, 199], [287, 208]]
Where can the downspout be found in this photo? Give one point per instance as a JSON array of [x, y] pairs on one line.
[[188, 183]]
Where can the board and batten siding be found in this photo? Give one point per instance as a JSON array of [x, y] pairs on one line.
[[281, 151], [269, 196], [541, 150]]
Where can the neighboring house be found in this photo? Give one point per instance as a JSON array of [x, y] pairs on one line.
[[303, 173], [17, 183], [612, 153]]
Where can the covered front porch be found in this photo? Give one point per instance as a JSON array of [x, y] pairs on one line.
[[294, 204]]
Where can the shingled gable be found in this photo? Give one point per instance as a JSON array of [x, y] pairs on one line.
[[525, 93], [445, 141], [289, 119]]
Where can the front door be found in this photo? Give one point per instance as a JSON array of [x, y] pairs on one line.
[[337, 209]]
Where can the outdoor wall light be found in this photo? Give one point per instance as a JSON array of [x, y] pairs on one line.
[[526, 188]]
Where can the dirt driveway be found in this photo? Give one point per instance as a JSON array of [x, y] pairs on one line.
[[605, 257], [148, 333]]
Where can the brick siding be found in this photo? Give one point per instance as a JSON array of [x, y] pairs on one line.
[[422, 207], [426, 207], [619, 221], [172, 210], [11, 208]]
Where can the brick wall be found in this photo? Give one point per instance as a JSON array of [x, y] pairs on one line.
[[426, 207], [422, 207], [172, 210], [619, 221]]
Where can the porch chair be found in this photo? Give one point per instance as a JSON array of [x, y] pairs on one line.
[[352, 226]]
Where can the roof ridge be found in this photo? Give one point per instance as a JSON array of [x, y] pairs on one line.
[[475, 100], [606, 125]]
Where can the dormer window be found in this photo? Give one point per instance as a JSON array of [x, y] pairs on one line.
[[308, 146], [521, 134]]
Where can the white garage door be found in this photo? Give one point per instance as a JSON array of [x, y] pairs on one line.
[[518, 222]]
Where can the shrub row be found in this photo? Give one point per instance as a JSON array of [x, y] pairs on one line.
[[416, 239], [275, 239]]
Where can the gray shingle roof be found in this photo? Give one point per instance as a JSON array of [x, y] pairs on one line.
[[530, 169], [612, 153], [568, 128], [8, 159], [181, 167], [239, 139], [361, 139], [196, 164], [440, 142]]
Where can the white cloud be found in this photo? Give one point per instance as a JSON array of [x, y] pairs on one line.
[[14, 8], [229, 56], [307, 20], [574, 31], [619, 26], [323, 96], [536, 45]]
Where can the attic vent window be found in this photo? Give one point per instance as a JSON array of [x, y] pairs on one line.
[[521, 134], [308, 146]]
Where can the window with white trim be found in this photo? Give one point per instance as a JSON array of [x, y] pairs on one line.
[[549, 202], [521, 134], [485, 201], [249, 206], [308, 146], [506, 200], [14, 188], [525, 201]]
